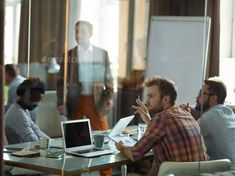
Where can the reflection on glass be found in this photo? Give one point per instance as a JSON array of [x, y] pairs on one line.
[[52, 66], [89, 77], [111, 32]]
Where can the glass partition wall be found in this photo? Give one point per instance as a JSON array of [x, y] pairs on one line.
[[92, 55], [42, 38]]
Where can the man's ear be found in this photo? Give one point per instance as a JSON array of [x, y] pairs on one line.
[[166, 99], [214, 100]]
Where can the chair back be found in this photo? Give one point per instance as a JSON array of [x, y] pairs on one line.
[[193, 168], [48, 118]]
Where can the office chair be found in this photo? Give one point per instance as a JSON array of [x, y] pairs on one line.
[[48, 118], [192, 168]]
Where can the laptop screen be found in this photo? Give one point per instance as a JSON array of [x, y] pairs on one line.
[[120, 125], [76, 133]]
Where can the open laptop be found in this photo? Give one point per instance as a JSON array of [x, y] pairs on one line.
[[114, 134], [77, 139]]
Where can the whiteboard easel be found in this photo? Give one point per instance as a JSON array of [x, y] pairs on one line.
[[177, 49]]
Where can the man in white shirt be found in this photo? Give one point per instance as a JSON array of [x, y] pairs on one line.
[[88, 69], [218, 121], [88, 77]]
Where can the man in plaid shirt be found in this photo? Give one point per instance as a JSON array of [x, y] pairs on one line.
[[172, 133]]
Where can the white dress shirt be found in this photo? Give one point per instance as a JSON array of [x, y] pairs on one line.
[[91, 69]]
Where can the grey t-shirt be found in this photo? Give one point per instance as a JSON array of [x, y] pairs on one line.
[[19, 127], [218, 129]]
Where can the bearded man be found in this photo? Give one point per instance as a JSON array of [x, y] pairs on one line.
[[217, 121], [172, 133], [19, 126]]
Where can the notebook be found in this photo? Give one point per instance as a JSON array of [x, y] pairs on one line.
[[114, 134], [77, 139]]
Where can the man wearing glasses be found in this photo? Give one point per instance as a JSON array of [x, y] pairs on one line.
[[217, 121]]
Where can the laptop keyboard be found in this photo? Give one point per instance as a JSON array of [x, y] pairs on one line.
[[87, 151], [92, 152]]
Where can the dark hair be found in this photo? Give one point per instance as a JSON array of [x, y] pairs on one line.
[[31, 84], [86, 23], [217, 88], [166, 86], [12, 70]]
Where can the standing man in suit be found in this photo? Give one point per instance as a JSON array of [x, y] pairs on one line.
[[88, 73]]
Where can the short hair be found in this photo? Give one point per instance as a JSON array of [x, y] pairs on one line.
[[218, 88], [32, 84], [86, 23], [12, 70], [166, 87]]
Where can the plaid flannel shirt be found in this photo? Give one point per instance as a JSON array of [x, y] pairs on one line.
[[173, 135]]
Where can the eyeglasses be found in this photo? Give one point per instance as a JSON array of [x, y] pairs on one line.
[[208, 93], [205, 93]]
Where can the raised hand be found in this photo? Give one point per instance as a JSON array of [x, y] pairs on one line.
[[61, 109], [142, 110], [186, 107]]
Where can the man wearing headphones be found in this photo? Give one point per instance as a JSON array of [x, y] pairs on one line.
[[19, 126]]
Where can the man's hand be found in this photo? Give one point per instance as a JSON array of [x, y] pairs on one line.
[[142, 110], [61, 109], [186, 107], [108, 105], [124, 149], [119, 145]]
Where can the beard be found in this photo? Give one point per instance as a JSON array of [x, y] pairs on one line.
[[31, 107], [153, 111], [202, 107], [28, 106]]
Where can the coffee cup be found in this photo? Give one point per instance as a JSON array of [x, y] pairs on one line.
[[98, 140]]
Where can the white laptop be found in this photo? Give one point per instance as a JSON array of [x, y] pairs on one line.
[[114, 134], [77, 139]]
